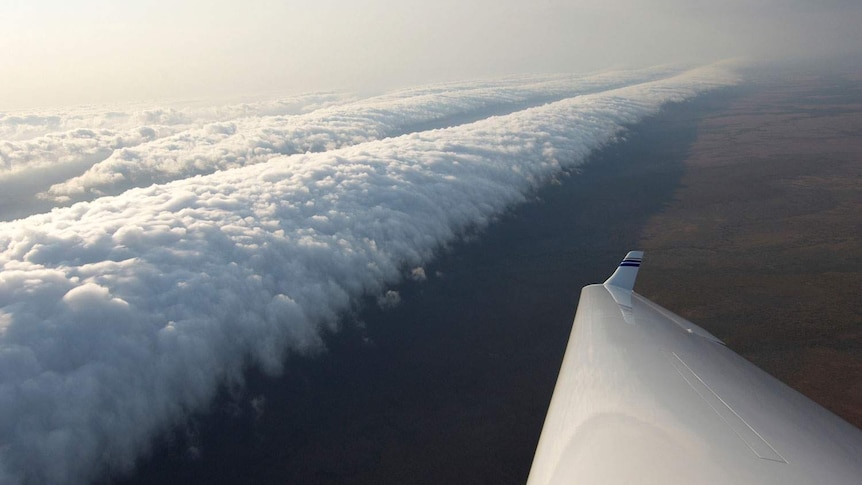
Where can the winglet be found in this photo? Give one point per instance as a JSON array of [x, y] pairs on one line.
[[626, 273]]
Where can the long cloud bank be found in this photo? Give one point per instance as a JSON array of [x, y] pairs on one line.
[[40, 149], [26, 125], [30, 140], [252, 140], [121, 315]]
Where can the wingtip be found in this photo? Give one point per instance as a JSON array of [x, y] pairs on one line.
[[626, 274], [633, 258]]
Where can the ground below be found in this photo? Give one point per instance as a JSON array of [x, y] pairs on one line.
[[762, 243]]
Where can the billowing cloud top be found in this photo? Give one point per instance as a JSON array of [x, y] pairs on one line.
[[41, 148], [120, 315], [25, 125], [224, 145]]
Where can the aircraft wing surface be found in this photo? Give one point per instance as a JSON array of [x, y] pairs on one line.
[[647, 397]]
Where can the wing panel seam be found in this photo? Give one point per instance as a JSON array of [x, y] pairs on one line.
[[752, 439]]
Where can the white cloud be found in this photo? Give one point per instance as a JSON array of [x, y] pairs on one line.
[[25, 125], [390, 299], [418, 274], [252, 140], [40, 149], [123, 314]]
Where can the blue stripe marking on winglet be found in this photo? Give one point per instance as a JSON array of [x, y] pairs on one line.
[[626, 273]]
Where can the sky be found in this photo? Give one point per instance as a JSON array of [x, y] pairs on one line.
[[60, 52]]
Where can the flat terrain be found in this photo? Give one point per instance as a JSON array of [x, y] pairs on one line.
[[762, 244]]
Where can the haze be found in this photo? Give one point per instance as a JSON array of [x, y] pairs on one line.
[[94, 51]]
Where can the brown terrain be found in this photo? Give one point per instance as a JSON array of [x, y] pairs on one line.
[[762, 244]]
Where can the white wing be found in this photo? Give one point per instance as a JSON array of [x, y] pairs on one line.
[[645, 396]]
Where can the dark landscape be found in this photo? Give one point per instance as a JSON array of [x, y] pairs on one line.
[[747, 204]]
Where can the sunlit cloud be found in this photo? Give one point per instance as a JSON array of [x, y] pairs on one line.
[[251, 140]]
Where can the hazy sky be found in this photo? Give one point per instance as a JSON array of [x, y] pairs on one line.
[[75, 51]]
